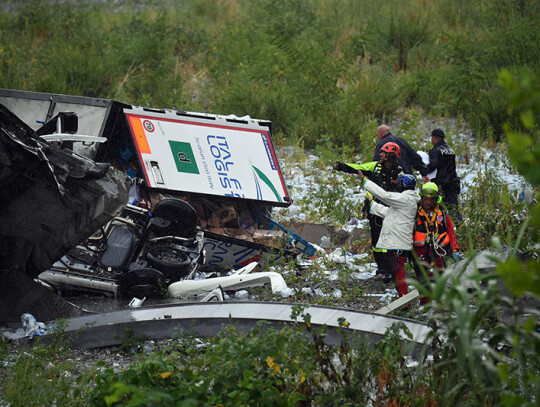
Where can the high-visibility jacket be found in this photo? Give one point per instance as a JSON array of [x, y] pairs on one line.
[[384, 177], [435, 229]]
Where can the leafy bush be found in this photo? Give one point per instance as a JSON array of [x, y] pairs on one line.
[[472, 357], [260, 367]]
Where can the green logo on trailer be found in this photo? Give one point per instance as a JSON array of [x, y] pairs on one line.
[[183, 157]]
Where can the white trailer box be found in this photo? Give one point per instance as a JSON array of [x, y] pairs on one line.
[[207, 154]]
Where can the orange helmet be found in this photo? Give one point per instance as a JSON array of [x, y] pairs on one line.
[[391, 148]]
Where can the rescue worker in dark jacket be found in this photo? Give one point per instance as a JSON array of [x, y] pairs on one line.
[[408, 156], [384, 173], [433, 236], [443, 159]]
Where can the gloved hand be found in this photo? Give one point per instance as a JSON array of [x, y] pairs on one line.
[[369, 196], [339, 166], [456, 256]]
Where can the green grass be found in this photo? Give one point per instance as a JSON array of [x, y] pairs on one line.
[[318, 69]]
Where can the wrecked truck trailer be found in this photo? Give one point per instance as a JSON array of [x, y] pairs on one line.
[[226, 167], [199, 158]]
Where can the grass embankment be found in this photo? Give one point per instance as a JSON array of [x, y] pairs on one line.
[[320, 70]]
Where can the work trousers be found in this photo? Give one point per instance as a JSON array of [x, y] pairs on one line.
[[425, 261], [393, 264], [375, 226]]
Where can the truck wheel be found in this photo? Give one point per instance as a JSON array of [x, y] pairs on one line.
[[172, 262], [143, 282], [181, 213]]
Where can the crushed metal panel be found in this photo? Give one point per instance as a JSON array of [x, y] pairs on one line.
[[293, 239], [225, 251], [399, 303], [234, 282], [46, 210], [207, 154]]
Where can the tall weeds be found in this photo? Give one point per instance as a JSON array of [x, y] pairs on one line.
[[319, 67]]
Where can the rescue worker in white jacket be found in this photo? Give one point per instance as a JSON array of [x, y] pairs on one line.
[[398, 213]]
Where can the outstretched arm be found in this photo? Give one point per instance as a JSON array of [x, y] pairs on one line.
[[339, 166], [353, 168], [433, 160], [388, 198], [417, 163]]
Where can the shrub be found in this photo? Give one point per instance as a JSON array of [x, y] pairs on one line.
[[490, 208]]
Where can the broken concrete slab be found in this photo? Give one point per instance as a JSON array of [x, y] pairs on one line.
[[483, 262], [51, 199], [207, 319], [39, 226]]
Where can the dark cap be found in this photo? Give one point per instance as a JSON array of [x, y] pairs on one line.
[[437, 133]]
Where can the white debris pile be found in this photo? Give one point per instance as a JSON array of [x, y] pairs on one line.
[[497, 164], [30, 327]]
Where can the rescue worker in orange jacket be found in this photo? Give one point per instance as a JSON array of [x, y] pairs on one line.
[[433, 237]]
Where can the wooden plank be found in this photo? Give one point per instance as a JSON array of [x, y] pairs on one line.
[[399, 303]]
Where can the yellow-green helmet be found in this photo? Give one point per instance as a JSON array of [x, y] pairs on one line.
[[430, 189]]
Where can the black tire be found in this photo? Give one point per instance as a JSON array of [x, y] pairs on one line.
[[172, 262], [180, 213], [144, 282]]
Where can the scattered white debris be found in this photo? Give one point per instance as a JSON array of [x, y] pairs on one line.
[[241, 294], [287, 292], [340, 255], [363, 276], [388, 296], [332, 275], [136, 302], [320, 293], [325, 242], [30, 327], [337, 293]]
